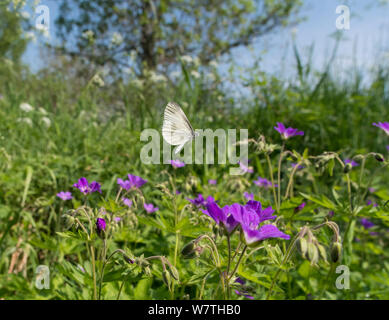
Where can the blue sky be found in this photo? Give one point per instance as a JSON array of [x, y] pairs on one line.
[[366, 41]]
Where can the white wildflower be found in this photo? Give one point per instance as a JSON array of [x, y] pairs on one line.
[[26, 107], [195, 74], [42, 111], [187, 59], [46, 121]]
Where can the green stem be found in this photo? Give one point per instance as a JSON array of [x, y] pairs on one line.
[[279, 174], [272, 182], [239, 261], [92, 250]]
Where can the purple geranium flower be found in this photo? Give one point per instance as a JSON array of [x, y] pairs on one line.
[[65, 195], [136, 181], [200, 201], [299, 166], [248, 196], [127, 202], [117, 219], [100, 225], [244, 166], [331, 214], [262, 182], [212, 181], [366, 223], [149, 207], [132, 182], [242, 292], [287, 133], [352, 162], [369, 202], [222, 215], [250, 216], [177, 163], [300, 207], [383, 125], [85, 187]]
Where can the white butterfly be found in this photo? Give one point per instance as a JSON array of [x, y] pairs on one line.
[[176, 128]]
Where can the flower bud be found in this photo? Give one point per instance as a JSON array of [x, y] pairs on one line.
[[303, 246], [189, 250], [166, 278], [174, 272], [379, 157], [100, 226], [336, 251], [347, 168], [313, 254]]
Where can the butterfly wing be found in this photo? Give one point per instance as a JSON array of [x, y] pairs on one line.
[[176, 128]]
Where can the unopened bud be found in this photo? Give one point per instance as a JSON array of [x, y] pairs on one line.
[[189, 250], [347, 168], [313, 254], [379, 157], [303, 246], [336, 251], [166, 278], [174, 273]]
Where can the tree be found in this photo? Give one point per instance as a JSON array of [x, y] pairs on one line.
[[12, 26], [153, 34]]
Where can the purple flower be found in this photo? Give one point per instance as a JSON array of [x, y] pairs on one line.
[[244, 167], [222, 215], [65, 195], [132, 182], [127, 202], [117, 219], [300, 207], [352, 162], [331, 214], [383, 125], [177, 163], [366, 223], [262, 182], [125, 184], [371, 190], [242, 292], [299, 166], [178, 192], [149, 207], [250, 216], [212, 181], [287, 133], [100, 225], [85, 187], [200, 201], [95, 186], [369, 202], [248, 196], [136, 181], [373, 233]]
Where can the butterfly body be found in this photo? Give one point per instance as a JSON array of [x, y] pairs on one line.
[[176, 128]]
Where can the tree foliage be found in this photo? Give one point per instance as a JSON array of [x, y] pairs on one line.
[[153, 34]]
